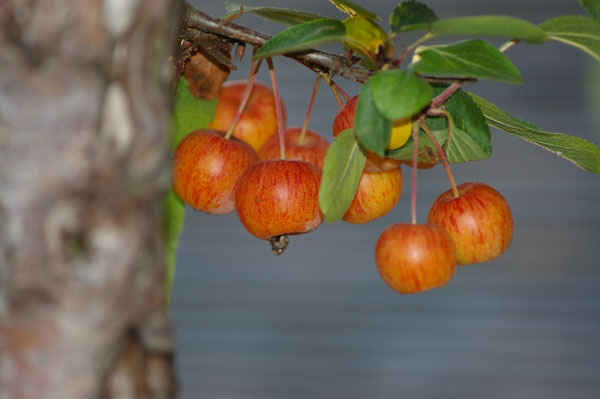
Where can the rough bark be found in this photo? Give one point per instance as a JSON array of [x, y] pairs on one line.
[[84, 104]]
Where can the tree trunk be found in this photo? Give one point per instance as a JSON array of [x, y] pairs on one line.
[[85, 88]]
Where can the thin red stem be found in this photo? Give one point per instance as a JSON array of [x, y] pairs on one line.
[[308, 111], [334, 89], [278, 109], [443, 96], [413, 192], [341, 91], [442, 155], [445, 114], [247, 93]]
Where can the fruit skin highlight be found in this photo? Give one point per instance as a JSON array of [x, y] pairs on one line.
[[479, 221], [277, 197], [415, 257], [206, 169], [401, 131], [258, 121], [376, 196], [313, 149]]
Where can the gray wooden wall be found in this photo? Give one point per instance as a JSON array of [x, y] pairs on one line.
[[318, 322]]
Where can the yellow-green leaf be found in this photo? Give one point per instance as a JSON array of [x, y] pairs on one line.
[[365, 36], [352, 9]]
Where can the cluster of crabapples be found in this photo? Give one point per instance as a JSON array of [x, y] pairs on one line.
[[277, 196]]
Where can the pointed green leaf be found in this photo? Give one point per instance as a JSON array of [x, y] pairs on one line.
[[371, 127], [189, 113], [592, 7], [344, 164], [466, 59], [575, 30], [174, 216], [581, 152], [470, 135], [352, 9], [399, 94], [302, 37], [410, 13], [486, 25], [283, 15]]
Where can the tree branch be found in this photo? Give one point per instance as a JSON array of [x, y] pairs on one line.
[[316, 60]]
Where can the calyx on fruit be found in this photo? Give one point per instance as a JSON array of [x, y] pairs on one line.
[[277, 198]]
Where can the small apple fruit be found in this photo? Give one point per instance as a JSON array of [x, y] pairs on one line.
[[376, 195], [275, 198], [313, 149], [479, 221], [399, 135], [415, 257], [206, 169], [258, 121]]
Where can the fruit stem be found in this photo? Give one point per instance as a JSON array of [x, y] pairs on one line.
[[413, 191], [445, 114], [334, 89], [443, 96], [442, 154], [249, 85], [308, 111], [278, 109], [423, 39], [508, 45], [341, 91]]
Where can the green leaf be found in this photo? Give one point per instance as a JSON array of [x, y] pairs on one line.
[[302, 37], [592, 6], [399, 94], [581, 152], [353, 10], [410, 13], [174, 216], [575, 30], [371, 127], [283, 15], [486, 25], [364, 36], [189, 113], [466, 59], [344, 164], [470, 135]]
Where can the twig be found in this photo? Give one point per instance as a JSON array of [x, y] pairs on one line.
[[316, 60]]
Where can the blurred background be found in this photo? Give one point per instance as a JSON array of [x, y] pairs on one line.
[[318, 321]]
